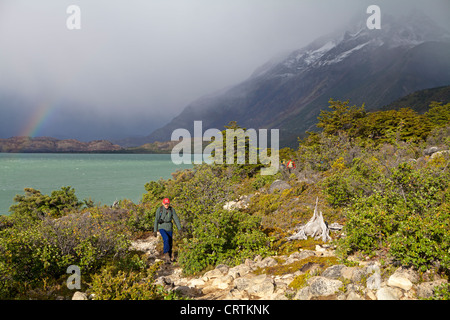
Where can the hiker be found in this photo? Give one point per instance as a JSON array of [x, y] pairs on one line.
[[163, 223], [290, 165]]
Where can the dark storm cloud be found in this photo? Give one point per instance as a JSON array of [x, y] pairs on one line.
[[135, 64]]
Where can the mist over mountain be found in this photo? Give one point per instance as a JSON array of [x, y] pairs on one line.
[[374, 67]]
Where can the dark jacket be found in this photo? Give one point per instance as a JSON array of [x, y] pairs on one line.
[[167, 216]]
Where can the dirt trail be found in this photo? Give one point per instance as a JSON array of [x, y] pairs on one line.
[[149, 247]]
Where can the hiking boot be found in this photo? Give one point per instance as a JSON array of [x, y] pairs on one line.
[[167, 257]]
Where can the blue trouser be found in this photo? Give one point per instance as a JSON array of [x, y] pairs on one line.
[[167, 239]]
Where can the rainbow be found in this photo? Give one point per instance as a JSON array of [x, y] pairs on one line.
[[38, 120]]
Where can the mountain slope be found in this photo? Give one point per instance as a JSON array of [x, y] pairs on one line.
[[374, 67], [420, 100]]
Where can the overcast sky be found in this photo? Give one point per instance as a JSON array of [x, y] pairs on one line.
[[135, 64]]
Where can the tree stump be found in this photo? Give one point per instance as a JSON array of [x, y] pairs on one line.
[[315, 227]]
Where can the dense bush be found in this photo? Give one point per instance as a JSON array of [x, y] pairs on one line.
[[37, 251], [34, 205], [222, 237], [408, 202], [46, 249], [378, 127], [115, 284]]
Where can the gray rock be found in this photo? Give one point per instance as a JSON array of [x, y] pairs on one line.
[[335, 226], [186, 291], [239, 271], [387, 293], [426, 289], [223, 282], [235, 294], [260, 278], [347, 272], [264, 288], [196, 283], [242, 203], [223, 268], [352, 295], [279, 185], [443, 153], [429, 151], [321, 286], [242, 284], [373, 268], [408, 273], [374, 281], [267, 262], [305, 254], [358, 274], [400, 281], [78, 295], [333, 272], [303, 294], [212, 274], [258, 258]]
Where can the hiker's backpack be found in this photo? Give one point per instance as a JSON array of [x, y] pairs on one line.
[[161, 221]]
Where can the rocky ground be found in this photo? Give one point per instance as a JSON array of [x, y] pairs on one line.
[[303, 275]]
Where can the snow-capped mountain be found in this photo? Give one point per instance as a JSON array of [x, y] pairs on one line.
[[374, 67], [404, 33]]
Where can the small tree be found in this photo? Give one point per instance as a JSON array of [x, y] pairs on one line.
[[342, 118], [34, 205], [439, 114]]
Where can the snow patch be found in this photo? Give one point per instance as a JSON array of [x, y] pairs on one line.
[[345, 54], [304, 59]]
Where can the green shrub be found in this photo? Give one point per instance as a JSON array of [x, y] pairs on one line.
[[423, 240], [89, 239], [368, 223], [139, 218], [32, 255], [27, 257], [441, 292], [155, 190], [222, 237], [200, 194], [362, 178], [439, 114], [319, 151], [409, 217], [112, 284], [34, 205], [265, 204], [260, 181]]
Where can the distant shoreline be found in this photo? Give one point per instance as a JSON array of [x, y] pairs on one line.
[[25, 144]]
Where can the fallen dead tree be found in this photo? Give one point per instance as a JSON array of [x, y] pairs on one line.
[[315, 227]]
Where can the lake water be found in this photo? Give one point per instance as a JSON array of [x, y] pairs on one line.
[[102, 177]]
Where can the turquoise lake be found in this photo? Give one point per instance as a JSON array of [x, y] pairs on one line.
[[102, 177]]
